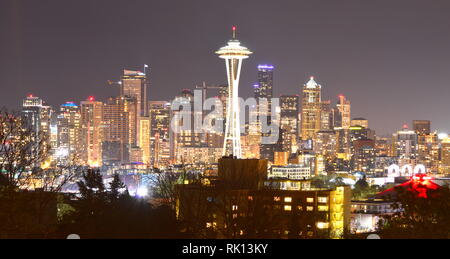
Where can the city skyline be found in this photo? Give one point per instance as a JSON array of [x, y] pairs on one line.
[[393, 73], [117, 120]]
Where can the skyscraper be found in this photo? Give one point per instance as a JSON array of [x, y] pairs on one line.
[[264, 91], [69, 129], [422, 127], [119, 135], [233, 54], [405, 145], [135, 84], [37, 117], [91, 131], [160, 133], [289, 113], [343, 106], [311, 106], [32, 113]]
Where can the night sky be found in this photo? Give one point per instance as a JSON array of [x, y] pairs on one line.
[[390, 58]]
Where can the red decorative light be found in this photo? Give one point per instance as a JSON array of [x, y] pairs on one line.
[[419, 184], [91, 98], [30, 95], [234, 28]]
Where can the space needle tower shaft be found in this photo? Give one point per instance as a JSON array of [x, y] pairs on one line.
[[234, 54]]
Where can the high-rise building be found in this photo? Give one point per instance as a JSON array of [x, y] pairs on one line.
[[289, 121], [326, 143], [405, 145], [422, 127], [32, 113], [37, 117], [343, 106], [160, 133], [68, 131], [135, 84], [233, 54], [445, 156], [326, 116], [265, 82], [428, 151], [91, 131], [264, 89], [359, 122], [119, 135], [363, 158], [263, 92], [311, 106]]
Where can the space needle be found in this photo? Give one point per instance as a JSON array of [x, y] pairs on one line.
[[234, 54]]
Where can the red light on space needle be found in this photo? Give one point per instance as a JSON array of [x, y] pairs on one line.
[[234, 32], [91, 98]]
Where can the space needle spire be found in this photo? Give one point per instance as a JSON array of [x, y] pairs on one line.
[[234, 54]]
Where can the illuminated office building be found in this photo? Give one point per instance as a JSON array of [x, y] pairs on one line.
[[428, 151], [32, 109], [289, 121], [37, 117], [311, 106], [383, 146], [160, 133], [359, 122], [343, 107], [363, 159], [422, 127], [326, 116], [144, 140], [91, 131], [326, 143], [119, 135], [68, 131], [405, 145], [445, 156], [135, 84]]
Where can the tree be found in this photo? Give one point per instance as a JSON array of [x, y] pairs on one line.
[[28, 192], [22, 150], [116, 187], [102, 212], [418, 217]]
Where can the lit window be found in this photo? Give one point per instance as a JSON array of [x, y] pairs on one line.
[[322, 208], [250, 198], [322, 199], [287, 207], [309, 208], [287, 199], [310, 200], [276, 198], [235, 216], [234, 207], [300, 208], [322, 225]]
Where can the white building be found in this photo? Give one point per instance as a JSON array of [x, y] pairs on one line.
[[292, 172]]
